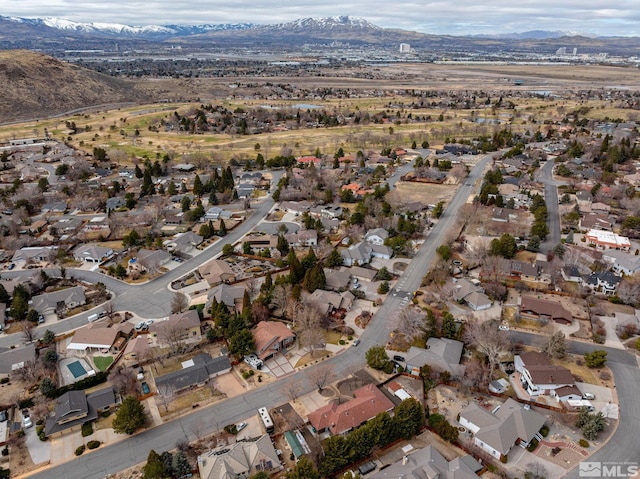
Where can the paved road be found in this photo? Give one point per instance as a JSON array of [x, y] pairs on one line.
[[553, 212], [212, 418]]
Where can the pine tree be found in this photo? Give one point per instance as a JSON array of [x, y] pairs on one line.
[[197, 186], [222, 231]]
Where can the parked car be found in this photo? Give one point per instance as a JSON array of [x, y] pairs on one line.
[[588, 396], [141, 326], [240, 426], [145, 388], [3, 416], [356, 342], [397, 357], [26, 419], [503, 327], [253, 361]]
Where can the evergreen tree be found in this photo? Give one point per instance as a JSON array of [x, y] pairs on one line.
[[222, 231], [180, 465], [138, 172], [153, 469], [172, 189], [283, 245], [334, 259], [309, 260], [304, 469], [198, 188], [130, 417]]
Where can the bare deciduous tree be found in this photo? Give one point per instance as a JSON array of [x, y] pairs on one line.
[[109, 310], [629, 290], [308, 324], [171, 335], [293, 389], [321, 375], [179, 302], [29, 333], [279, 298], [165, 395], [409, 321], [488, 340], [124, 380], [556, 345]]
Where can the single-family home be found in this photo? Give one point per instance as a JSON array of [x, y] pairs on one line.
[[59, 301], [54, 207], [302, 238], [598, 222], [602, 281], [230, 296], [183, 243], [329, 301], [195, 372], [92, 253], [179, 326], [35, 253], [338, 419], [584, 198], [217, 271], [14, 359], [428, 463], [240, 459], [99, 336], [623, 262], [538, 376], [75, 408], [534, 308], [472, 294], [571, 273], [331, 211], [566, 393], [376, 236], [337, 279], [151, 259], [441, 354], [136, 348], [215, 213], [523, 271], [497, 431], [272, 337]]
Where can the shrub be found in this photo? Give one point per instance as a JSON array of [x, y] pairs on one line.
[[532, 445], [231, 429], [583, 443], [87, 429], [544, 430], [4, 380], [25, 403], [79, 450], [5, 451], [106, 413], [503, 459], [388, 368], [93, 444], [341, 342]]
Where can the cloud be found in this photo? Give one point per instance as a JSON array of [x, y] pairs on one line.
[[462, 17]]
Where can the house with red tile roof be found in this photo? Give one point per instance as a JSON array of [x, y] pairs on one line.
[[368, 402]]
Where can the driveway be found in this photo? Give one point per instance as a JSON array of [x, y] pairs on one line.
[[278, 365], [40, 451]]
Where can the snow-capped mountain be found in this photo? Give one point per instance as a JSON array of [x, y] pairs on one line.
[[152, 32]]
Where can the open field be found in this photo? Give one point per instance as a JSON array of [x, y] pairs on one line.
[[125, 134]]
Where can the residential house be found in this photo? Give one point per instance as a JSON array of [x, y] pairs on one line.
[[114, 203], [59, 301], [500, 215], [362, 252], [302, 238], [566, 393], [240, 459], [183, 243], [66, 226], [245, 190], [230, 296], [337, 279], [428, 463], [295, 207], [183, 326], [602, 281], [92, 253], [331, 211], [622, 262], [339, 419], [534, 308], [217, 271], [272, 337], [376, 236], [598, 222], [606, 240], [523, 271], [12, 360], [215, 213], [307, 160], [35, 253], [195, 372], [441, 354], [136, 348], [54, 207], [329, 301], [538, 376], [75, 408], [571, 273], [100, 337], [600, 208], [359, 272], [497, 431], [149, 260], [472, 294], [584, 198]]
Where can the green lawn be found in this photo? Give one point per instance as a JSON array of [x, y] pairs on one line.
[[102, 362]]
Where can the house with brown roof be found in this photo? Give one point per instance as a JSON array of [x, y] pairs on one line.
[[99, 336], [367, 403], [217, 271], [272, 337], [538, 376], [534, 308]]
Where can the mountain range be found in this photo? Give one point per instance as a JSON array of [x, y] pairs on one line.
[[53, 34]]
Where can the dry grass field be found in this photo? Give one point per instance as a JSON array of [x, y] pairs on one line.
[[115, 129]]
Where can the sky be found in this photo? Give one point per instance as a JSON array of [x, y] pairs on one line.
[[462, 17]]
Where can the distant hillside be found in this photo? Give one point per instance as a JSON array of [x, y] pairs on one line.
[[38, 86]]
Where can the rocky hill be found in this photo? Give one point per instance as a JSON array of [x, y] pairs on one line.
[[38, 86]]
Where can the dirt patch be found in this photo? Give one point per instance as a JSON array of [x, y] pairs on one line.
[[309, 358], [425, 193]]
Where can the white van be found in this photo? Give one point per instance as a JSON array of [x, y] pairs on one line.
[[93, 317]]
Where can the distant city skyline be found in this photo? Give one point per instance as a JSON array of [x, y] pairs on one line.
[[464, 17]]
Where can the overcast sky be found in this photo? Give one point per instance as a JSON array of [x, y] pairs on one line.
[[461, 17]]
